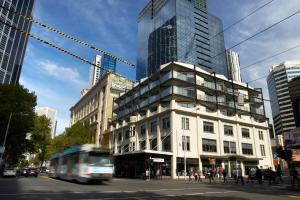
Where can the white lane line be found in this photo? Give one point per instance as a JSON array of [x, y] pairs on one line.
[[125, 191], [161, 196]]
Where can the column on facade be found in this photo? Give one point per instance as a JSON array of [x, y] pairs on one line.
[[97, 138], [199, 141], [173, 145], [158, 134]]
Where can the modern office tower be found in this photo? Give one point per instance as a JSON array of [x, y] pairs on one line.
[[233, 64], [95, 71], [294, 88], [50, 113], [105, 63], [179, 30], [13, 43], [95, 106], [108, 63], [278, 80], [184, 113]]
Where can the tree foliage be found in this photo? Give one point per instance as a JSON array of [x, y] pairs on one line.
[[41, 137], [18, 101], [77, 134]]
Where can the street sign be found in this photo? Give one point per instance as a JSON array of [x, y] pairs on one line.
[[2, 149], [158, 160]]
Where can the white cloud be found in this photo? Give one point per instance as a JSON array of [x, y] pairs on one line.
[[61, 73]]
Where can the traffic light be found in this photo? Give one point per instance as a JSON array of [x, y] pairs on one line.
[[280, 152], [289, 155], [284, 154]]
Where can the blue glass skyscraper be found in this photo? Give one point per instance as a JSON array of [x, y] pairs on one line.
[[107, 63], [179, 30], [13, 43]]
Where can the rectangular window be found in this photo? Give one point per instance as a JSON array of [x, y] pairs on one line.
[[153, 127], [132, 131], [185, 123], [186, 143], [132, 146], [166, 143], [247, 149], [209, 145], [260, 135], [126, 148], [228, 130], [119, 136], [166, 123], [153, 144], [229, 147], [262, 150], [143, 145], [208, 127], [245, 133], [127, 134], [143, 129]]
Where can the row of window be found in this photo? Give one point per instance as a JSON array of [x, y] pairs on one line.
[[209, 145]]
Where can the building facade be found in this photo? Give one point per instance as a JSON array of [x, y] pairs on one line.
[[233, 64], [107, 64], [278, 85], [294, 89], [179, 30], [183, 114], [13, 43], [95, 106], [95, 71], [50, 113]]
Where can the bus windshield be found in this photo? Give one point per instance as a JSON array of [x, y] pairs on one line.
[[99, 159]]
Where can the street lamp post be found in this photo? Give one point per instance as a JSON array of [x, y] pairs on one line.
[[6, 132]]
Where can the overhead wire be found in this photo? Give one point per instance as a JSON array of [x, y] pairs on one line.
[[66, 35], [256, 34], [272, 56], [242, 19], [50, 44]]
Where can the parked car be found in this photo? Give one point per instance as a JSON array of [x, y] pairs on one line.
[[29, 172], [10, 172], [33, 172]]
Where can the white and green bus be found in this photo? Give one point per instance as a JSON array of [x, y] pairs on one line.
[[82, 163]]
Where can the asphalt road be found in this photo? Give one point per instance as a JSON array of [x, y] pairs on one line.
[[45, 188]]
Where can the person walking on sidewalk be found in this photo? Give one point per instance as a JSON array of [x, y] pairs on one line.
[[294, 174], [271, 176], [279, 174], [239, 176], [199, 175], [258, 174], [224, 174]]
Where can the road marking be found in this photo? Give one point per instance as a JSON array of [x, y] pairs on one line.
[[295, 197]]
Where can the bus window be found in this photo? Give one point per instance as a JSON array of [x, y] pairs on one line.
[[99, 159]]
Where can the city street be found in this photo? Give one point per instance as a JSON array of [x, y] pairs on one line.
[[46, 188]]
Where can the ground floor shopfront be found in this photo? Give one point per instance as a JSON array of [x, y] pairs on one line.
[[139, 165]]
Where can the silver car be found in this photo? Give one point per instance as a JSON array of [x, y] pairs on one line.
[[10, 172]]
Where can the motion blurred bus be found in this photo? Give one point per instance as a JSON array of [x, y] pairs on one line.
[[82, 163]]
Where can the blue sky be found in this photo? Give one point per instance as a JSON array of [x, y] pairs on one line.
[[111, 25]]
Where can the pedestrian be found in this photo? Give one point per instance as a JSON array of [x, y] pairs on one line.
[[224, 174], [239, 176], [294, 174], [190, 174], [258, 174], [199, 176], [279, 173], [250, 177], [195, 174], [211, 175], [271, 175]]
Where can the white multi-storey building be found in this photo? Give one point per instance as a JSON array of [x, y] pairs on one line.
[[184, 117], [95, 105], [95, 71], [281, 104], [233, 64], [50, 113]]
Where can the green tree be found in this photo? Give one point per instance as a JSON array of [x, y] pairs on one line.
[[41, 137], [77, 134], [18, 101]]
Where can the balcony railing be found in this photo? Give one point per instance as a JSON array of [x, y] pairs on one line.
[[144, 89], [184, 91], [165, 77], [185, 77], [154, 84], [166, 92]]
